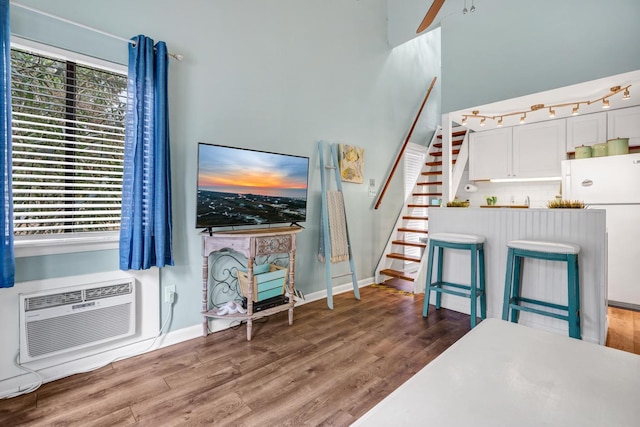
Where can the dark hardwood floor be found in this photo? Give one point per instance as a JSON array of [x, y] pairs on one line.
[[328, 368]]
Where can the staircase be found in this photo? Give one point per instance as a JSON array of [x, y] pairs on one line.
[[402, 258]]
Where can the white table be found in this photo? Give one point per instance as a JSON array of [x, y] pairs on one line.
[[506, 374]]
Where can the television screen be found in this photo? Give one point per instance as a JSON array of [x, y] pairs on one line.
[[238, 186]]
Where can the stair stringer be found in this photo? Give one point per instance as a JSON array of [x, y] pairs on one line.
[[417, 272], [384, 262], [461, 163]]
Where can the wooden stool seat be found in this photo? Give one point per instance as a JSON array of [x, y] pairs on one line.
[[475, 289], [514, 303]]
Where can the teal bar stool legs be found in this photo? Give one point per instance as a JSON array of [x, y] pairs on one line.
[[514, 303], [476, 288]]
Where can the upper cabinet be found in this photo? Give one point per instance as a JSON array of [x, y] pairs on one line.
[[527, 151], [625, 123], [538, 149], [588, 129], [490, 154]]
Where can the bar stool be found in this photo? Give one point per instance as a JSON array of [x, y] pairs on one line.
[[473, 291], [551, 251]]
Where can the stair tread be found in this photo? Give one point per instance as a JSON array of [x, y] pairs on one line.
[[430, 183], [403, 257], [455, 134], [418, 206], [439, 153], [439, 163], [426, 194], [407, 243], [431, 173], [454, 143], [412, 230], [423, 218], [397, 274]]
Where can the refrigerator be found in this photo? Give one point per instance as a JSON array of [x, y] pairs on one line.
[[612, 183]]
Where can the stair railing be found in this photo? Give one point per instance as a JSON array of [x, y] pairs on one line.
[[404, 146]]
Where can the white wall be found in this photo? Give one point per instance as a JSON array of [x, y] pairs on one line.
[[509, 193]]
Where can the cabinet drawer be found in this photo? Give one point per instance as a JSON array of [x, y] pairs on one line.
[[273, 245]]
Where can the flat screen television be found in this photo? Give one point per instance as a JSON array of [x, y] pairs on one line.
[[238, 186]]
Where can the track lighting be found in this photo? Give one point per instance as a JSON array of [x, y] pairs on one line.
[[475, 114], [464, 11], [473, 7]]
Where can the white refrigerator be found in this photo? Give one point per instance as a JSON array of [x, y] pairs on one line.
[[612, 183]]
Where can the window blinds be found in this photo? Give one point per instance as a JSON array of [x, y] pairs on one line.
[[68, 145]]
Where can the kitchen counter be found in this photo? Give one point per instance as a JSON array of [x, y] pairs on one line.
[[506, 206], [585, 227]]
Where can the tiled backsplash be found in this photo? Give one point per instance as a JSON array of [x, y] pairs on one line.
[[509, 192]]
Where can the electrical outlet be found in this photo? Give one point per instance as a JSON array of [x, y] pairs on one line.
[[169, 293]]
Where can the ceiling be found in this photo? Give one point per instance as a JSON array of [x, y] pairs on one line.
[[588, 91]]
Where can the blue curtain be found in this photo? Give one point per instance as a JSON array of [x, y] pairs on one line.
[[145, 229], [7, 259]]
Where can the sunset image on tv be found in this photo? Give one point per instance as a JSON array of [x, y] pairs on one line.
[[246, 187]]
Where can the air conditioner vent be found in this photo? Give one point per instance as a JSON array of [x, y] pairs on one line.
[[67, 322], [108, 291], [53, 300]]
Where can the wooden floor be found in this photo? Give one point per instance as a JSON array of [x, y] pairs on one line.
[[328, 368]]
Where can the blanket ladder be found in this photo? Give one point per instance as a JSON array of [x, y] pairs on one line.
[[334, 224]]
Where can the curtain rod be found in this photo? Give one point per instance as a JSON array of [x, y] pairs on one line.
[[178, 57]]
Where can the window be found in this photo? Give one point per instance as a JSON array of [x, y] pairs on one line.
[[68, 146]]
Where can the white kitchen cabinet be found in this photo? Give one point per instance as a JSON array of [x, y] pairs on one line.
[[586, 129], [526, 151], [490, 154], [624, 123], [538, 149]]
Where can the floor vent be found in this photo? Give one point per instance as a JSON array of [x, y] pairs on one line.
[[70, 319]]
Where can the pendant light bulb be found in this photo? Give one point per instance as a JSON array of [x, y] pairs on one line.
[[552, 112], [626, 94], [464, 11], [605, 103], [464, 120], [482, 121], [523, 118], [473, 6], [575, 111], [500, 121]]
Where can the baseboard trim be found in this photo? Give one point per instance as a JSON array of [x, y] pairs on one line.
[[624, 305]]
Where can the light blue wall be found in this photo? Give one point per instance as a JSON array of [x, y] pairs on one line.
[[276, 75], [53, 266], [511, 48]]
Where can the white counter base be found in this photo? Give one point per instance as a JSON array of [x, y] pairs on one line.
[[541, 279]]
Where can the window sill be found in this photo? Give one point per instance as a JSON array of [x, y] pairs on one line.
[[28, 246]]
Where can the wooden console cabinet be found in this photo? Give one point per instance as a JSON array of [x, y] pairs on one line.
[[250, 243]]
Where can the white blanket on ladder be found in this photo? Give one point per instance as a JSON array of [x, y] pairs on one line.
[[338, 239]]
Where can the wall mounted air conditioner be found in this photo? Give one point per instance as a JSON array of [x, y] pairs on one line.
[[56, 322]]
